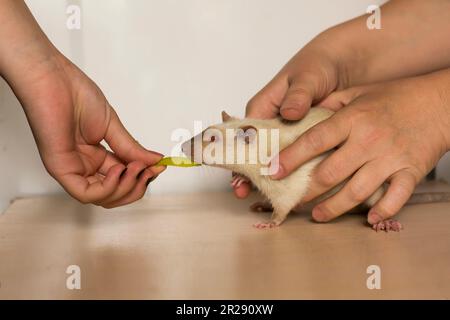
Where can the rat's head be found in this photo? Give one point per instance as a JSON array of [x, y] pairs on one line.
[[235, 144]]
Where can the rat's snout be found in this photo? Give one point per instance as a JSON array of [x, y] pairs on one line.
[[190, 151], [188, 148], [193, 148]]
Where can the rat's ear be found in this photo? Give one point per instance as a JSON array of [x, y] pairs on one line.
[[225, 116]]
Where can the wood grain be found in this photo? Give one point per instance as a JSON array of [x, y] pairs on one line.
[[203, 246]]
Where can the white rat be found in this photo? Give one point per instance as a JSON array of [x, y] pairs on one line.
[[222, 141]]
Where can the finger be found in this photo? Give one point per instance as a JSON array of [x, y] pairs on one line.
[[340, 165], [400, 189], [136, 193], [95, 178], [148, 176], [157, 170], [314, 142], [110, 160], [303, 90], [360, 187], [333, 102], [266, 103], [125, 146], [128, 180], [81, 189]]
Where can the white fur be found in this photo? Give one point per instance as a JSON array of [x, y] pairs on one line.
[[287, 193]]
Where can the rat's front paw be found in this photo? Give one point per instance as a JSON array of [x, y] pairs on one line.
[[388, 225], [266, 225], [238, 179]]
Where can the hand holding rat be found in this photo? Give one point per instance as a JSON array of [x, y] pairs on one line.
[[393, 132], [308, 78], [351, 55]]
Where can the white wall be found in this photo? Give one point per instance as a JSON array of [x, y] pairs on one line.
[[21, 171], [164, 64]]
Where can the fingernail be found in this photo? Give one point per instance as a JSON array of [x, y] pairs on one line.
[[123, 173], [140, 174], [279, 174], [374, 217], [150, 180], [318, 215], [291, 113]]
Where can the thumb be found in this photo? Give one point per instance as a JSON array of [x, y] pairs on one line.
[[302, 92], [266, 103], [124, 145]]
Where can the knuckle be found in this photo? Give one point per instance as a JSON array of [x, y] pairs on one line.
[[358, 191], [385, 210], [329, 212], [327, 177], [139, 196], [371, 136], [403, 189], [136, 165], [252, 104], [325, 213], [84, 199], [313, 139], [291, 103], [296, 91], [360, 114]]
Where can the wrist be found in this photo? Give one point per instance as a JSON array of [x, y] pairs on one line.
[[27, 77], [27, 62], [25, 51]]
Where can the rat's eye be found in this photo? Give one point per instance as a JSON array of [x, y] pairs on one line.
[[248, 133], [211, 135]]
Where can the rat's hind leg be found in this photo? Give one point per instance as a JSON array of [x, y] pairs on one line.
[[281, 210], [278, 216], [387, 225], [282, 206], [261, 206]]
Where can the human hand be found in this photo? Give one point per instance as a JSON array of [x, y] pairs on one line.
[[309, 77], [394, 132], [351, 55], [70, 117]]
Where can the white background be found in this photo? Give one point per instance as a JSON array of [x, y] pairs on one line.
[[164, 64]]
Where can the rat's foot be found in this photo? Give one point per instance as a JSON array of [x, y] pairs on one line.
[[266, 225], [238, 179], [388, 225], [261, 206]]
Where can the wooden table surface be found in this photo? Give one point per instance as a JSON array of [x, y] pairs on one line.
[[203, 246]]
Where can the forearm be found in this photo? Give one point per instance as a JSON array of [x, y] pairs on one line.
[[24, 48], [414, 39]]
